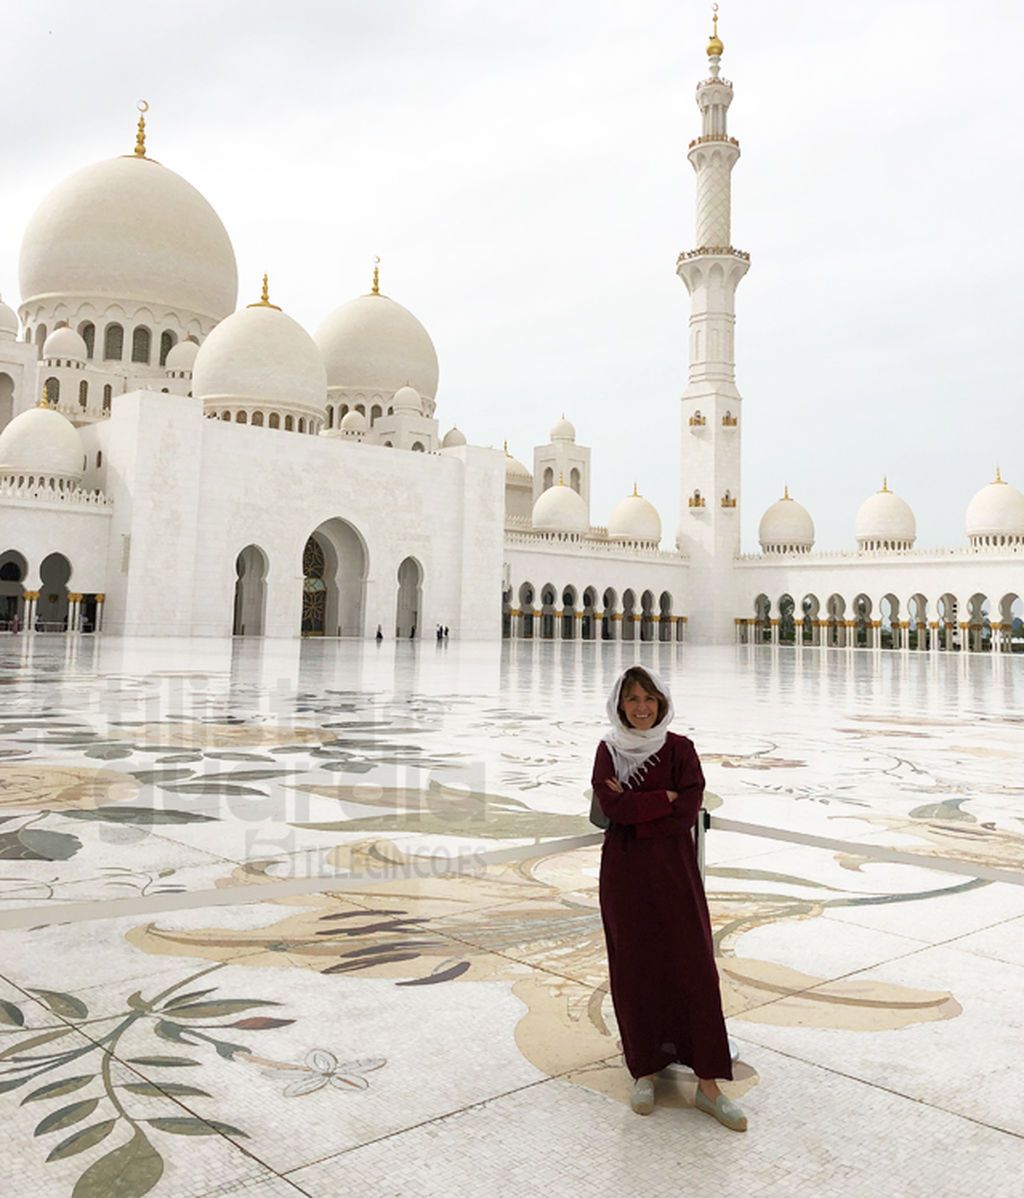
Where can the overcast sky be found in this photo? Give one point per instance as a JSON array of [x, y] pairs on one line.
[[521, 170]]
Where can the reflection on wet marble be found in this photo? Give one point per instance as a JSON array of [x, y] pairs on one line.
[[368, 1041]]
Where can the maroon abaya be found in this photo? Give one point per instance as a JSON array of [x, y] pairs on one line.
[[661, 960]]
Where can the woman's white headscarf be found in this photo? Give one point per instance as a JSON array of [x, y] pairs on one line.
[[631, 747]]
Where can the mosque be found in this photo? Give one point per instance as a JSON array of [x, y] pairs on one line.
[[170, 465]]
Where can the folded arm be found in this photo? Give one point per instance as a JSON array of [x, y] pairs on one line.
[[626, 807]]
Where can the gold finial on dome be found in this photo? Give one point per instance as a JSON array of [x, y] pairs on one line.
[[785, 492], [885, 485], [507, 454], [636, 493], [561, 479], [264, 300], [140, 132], [715, 46], [375, 289], [45, 401], [999, 478]]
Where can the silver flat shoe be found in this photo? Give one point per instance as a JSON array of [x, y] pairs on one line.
[[642, 1098], [723, 1109]]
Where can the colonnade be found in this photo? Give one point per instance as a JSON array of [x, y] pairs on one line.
[[30, 616], [534, 623], [904, 635]]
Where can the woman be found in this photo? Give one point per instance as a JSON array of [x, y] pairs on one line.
[[664, 983]]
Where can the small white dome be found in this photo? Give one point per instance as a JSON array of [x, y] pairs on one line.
[[563, 430], [41, 443], [8, 323], [515, 471], [373, 344], [181, 357], [129, 229], [261, 356], [407, 399], [453, 436], [786, 527], [353, 422], [634, 519], [560, 509], [997, 511], [884, 521], [65, 343]]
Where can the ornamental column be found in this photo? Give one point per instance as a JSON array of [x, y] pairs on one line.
[[711, 426], [30, 599]]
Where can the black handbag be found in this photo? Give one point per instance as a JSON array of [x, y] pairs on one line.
[[597, 816]]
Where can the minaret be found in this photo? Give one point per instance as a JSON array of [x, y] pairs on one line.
[[709, 522]]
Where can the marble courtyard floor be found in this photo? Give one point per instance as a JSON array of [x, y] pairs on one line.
[[321, 918]]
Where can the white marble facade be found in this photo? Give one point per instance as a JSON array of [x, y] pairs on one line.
[[171, 465]]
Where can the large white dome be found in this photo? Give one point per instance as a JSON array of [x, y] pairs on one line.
[[995, 516], [885, 521], [634, 519], [129, 230], [42, 444], [786, 527], [373, 344], [260, 357], [559, 509]]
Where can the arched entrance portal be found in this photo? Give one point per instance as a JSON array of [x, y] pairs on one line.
[[334, 568], [410, 598], [314, 589], [12, 573], [250, 592], [52, 605]]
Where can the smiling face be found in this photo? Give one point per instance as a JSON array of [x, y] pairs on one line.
[[639, 707]]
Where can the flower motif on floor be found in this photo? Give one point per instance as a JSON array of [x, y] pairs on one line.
[[322, 1068]]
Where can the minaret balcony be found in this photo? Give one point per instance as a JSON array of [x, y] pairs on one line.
[[729, 420], [697, 420], [728, 501], [695, 502], [706, 137], [703, 251]]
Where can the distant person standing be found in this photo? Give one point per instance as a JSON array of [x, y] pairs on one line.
[[446, 632], [380, 634], [661, 962]]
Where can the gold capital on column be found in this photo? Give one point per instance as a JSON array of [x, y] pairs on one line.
[[100, 598]]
